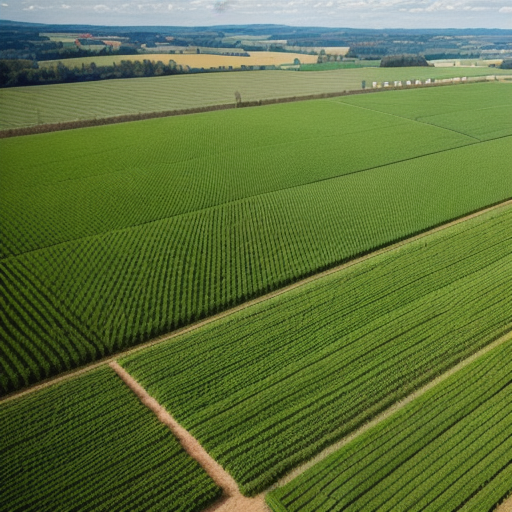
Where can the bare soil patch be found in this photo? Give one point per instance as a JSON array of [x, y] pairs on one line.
[[506, 506]]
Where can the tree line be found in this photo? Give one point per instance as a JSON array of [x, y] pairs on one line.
[[15, 73], [399, 61]]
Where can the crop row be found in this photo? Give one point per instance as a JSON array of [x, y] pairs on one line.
[[269, 387], [126, 286], [487, 118], [483, 111], [123, 176], [56, 103], [89, 444], [448, 450], [64, 186]]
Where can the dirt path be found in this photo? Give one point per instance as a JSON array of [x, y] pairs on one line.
[[506, 506], [233, 500], [72, 373]]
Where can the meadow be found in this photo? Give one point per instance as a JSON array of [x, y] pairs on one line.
[[27, 106], [447, 450], [165, 236], [89, 444], [269, 387]]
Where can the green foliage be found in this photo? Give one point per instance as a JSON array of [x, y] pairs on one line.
[[271, 386], [135, 173], [403, 61], [473, 111], [19, 75], [163, 238], [89, 444], [328, 66], [448, 450]]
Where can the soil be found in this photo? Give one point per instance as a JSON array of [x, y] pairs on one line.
[[390, 411], [233, 500], [506, 506]]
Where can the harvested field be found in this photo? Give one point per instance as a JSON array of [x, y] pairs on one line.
[[194, 60]]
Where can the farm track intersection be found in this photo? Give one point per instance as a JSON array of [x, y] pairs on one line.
[[233, 500]]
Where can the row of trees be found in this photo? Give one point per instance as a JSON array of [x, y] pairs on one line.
[[401, 61], [25, 72], [15, 73]]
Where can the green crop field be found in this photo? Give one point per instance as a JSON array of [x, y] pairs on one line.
[[200, 161], [166, 234], [483, 116], [89, 444], [270, 386], [26, 106], [448, 450]]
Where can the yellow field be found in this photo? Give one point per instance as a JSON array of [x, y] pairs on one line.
[[329, 50], [195, 60]]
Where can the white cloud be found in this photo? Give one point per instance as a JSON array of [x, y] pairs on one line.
[[356, 13]]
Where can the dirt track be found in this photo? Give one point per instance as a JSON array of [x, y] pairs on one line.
[[394, 408], [506, 506], [263, 298], [233, 500]]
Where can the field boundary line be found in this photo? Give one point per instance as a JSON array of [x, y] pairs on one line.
[[262, 298], [417, 120], [235, 201], [294, 473], [127, 118], [232, 499]]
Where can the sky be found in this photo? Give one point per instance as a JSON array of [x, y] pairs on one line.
[[325, 13]]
